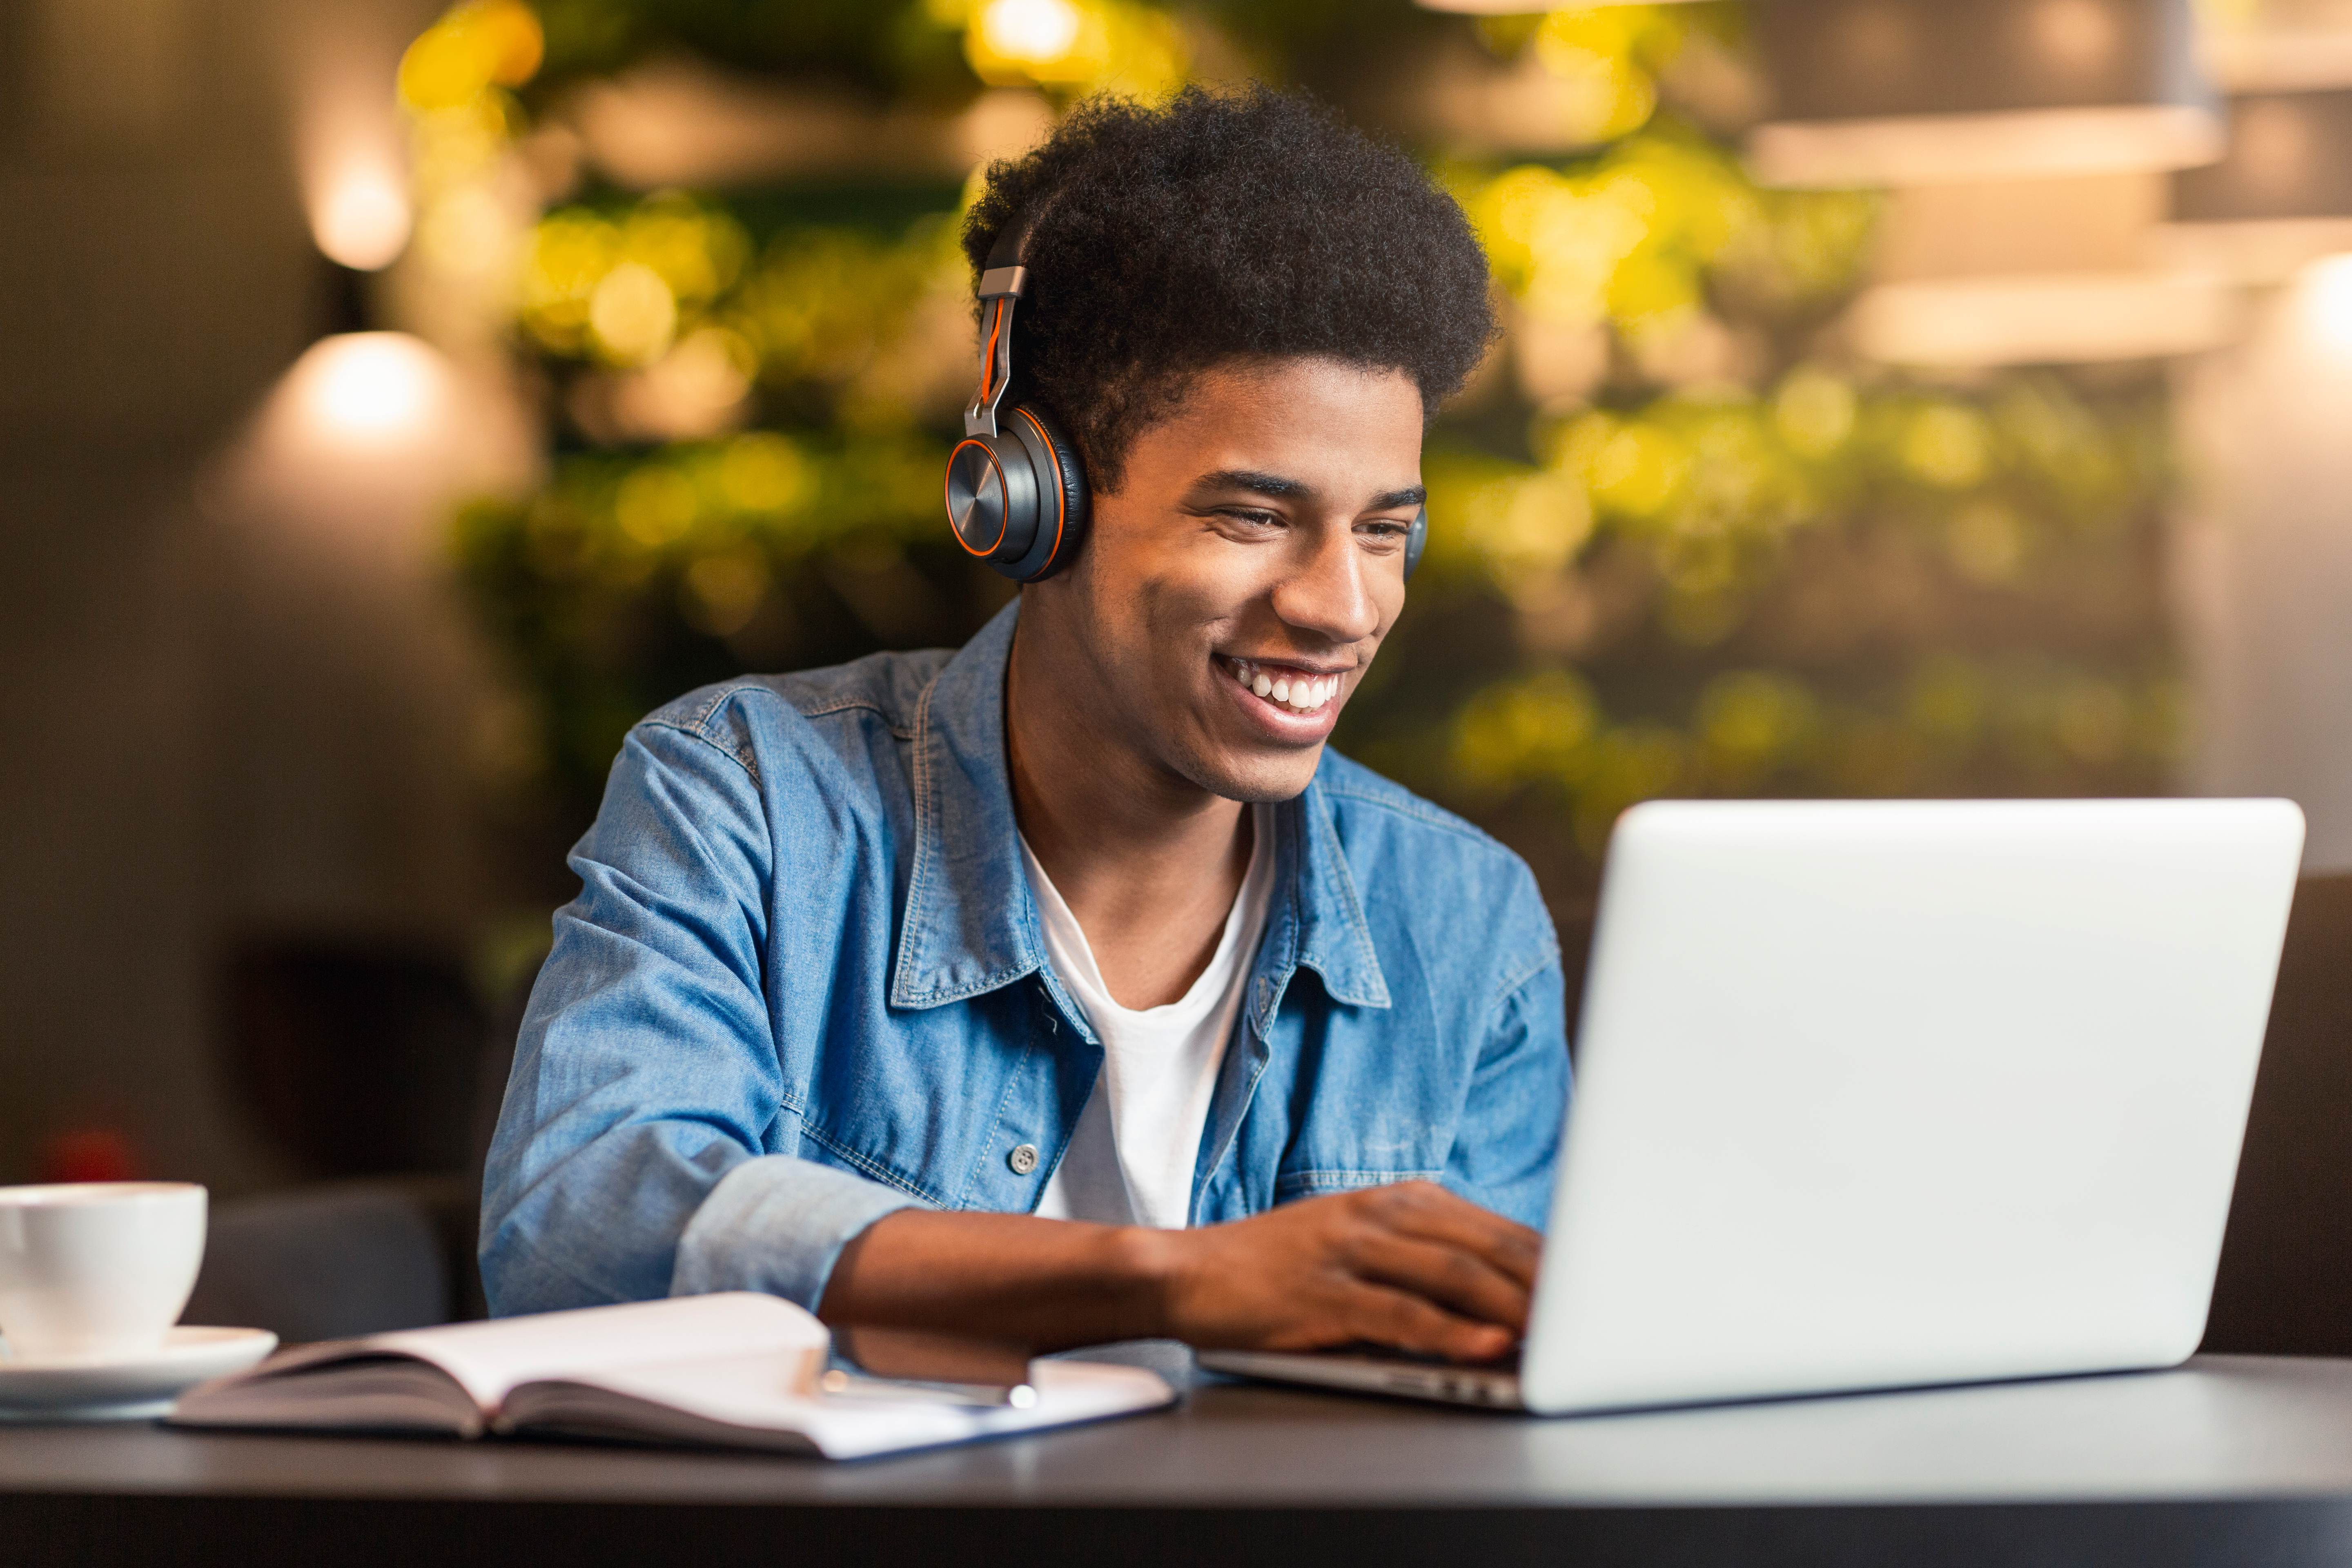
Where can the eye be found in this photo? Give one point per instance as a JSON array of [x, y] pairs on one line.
[[1385, 528], [1250, 515]]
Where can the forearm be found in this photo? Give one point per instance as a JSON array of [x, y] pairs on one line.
[[1409, 1265], [1049, 1284]]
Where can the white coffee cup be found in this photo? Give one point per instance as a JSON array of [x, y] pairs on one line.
[[95, 1270]]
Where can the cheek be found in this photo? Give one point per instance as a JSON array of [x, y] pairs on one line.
[[1163, 602], [1145, 635], [1172, 630]]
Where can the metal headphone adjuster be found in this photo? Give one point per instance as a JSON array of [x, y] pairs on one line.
[[1004, 285]]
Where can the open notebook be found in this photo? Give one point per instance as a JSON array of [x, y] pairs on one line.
[[735, 1370]]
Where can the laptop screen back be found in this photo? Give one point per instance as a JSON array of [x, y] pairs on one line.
[[1878, 1094]]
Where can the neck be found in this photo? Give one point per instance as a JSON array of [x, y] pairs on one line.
[[1149, 862]]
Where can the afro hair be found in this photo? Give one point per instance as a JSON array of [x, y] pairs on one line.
[[1252, 224]]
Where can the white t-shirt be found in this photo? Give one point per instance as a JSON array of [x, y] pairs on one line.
[[1130, 1159]]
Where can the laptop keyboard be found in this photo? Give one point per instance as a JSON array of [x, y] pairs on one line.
[[1507, 1363]]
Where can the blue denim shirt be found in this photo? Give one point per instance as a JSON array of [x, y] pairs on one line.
[[803, 985]]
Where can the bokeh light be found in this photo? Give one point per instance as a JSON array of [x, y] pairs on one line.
[[632, 313], [2326, 287], [368, 388], [1034, 32], [473, 47], [363, 218], [1069, 46]]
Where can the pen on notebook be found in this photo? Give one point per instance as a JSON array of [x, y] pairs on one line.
[[991, 1395], [917, 1366]]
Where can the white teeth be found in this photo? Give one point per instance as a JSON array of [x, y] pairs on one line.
[[1300, 694]]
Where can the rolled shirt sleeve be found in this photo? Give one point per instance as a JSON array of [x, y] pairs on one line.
[[635, 1155], [1507, 1150], [778, 1225]]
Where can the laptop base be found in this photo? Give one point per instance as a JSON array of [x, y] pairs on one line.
[[1493, 1387]]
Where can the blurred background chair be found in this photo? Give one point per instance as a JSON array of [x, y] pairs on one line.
[[2286, 1281], [331, 1262], [377, 1072]]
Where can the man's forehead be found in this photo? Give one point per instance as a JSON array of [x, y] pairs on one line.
[[1342, 430]]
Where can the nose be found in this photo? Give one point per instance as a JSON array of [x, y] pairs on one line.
[[1329, 593]]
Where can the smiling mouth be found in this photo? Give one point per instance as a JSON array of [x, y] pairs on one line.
[[1281, 686]]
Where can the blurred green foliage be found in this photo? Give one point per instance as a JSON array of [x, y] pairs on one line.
[[1681, 544], [1813, 589]]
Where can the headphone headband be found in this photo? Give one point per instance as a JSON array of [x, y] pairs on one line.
[[1004, 280]]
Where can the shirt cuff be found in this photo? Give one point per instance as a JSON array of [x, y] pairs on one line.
[[778, 1225]]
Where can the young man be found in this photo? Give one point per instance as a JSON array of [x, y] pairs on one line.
[[1066, 988]]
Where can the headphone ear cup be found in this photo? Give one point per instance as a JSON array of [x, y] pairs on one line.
[[991, 499], [1063, 508], [1416, 540]]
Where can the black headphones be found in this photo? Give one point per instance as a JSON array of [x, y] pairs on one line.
[[1018, 499]]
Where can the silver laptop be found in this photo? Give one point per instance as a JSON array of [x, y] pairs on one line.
[[1884, 1094]]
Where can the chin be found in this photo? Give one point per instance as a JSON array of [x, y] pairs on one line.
[[1254, 780]]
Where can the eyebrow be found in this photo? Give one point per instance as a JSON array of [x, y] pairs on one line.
[[1279, 486]]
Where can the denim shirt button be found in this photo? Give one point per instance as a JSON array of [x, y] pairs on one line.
[[1024, 1159]]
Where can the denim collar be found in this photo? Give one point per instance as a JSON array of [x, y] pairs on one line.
[[971, 926]]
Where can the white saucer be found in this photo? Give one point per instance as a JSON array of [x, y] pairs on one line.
[[126, 1388]]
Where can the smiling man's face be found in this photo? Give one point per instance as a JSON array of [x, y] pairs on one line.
[[1233, 590]]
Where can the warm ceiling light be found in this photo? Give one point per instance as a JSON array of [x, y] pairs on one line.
[[1892, 92], [2049, 271], [2064, 318], [2262, 53]]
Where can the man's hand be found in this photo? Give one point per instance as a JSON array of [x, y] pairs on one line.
[[1411, 1266]]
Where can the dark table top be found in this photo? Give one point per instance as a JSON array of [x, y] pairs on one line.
[[2226, 1456]]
